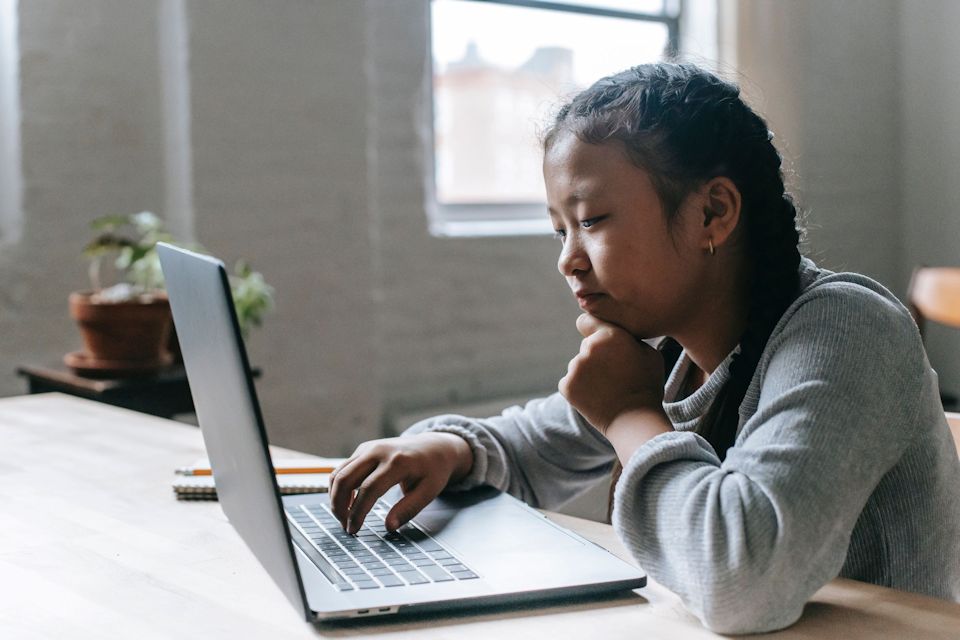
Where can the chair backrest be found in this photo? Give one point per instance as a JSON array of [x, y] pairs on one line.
[[934, 294], [953, 419]]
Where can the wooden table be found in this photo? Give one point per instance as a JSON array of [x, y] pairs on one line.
[[94, 545]]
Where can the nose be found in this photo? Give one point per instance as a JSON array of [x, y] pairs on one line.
[[573, 259]]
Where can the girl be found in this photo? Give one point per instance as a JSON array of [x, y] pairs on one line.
[[799, 435]]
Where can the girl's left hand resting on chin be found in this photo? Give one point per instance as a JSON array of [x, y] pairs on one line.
[[615, 379]]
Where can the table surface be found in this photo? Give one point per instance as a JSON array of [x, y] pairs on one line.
[[94, 545]]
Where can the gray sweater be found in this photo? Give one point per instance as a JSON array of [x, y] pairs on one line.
[[843, 465]]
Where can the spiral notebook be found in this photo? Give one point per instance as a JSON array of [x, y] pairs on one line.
[[202, 487]]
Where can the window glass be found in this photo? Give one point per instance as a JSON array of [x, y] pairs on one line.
[[499, 73]]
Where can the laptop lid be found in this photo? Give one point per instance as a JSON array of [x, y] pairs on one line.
[[518, 554], [228, 412]]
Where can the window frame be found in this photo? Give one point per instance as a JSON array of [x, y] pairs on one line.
[[469, 220]]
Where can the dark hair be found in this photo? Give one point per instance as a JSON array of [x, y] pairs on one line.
[[684, 126]]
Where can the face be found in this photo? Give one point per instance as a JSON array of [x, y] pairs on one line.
[[622, 260]]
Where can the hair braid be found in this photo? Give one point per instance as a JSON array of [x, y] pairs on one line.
[[772, 240]]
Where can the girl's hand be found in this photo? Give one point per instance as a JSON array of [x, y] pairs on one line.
[[613, 373], [422, 464]]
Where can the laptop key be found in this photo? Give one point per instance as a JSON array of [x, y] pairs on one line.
[[390, 581], [367, 584], [464, 575], [412, 577], [436, 574], [426, 562], [430, 546], [397, 562]]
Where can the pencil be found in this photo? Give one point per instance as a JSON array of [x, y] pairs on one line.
[[196, 471]]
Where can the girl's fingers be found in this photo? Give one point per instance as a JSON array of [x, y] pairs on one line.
[[588, 324], [375, 485], [348, 477]]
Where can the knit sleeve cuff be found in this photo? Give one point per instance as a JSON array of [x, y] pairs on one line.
[[478, 472]]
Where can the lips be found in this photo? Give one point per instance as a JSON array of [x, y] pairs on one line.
[[587, 298], [583, 293]]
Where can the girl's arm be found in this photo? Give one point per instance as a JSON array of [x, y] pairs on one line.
[[544, 453], [746, 543]]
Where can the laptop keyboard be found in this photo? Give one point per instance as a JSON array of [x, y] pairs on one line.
[[374, 558]]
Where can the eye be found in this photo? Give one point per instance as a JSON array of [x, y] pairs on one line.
[[589, 222], [559, 234]]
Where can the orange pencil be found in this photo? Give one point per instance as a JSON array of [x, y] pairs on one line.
[[191, 471]]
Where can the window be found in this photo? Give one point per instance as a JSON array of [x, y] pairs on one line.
[[500, 70], [11, 177]]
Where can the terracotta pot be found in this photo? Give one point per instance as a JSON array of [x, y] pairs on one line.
[[127, 332]]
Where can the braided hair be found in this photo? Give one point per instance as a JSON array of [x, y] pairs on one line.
[[683, 125]]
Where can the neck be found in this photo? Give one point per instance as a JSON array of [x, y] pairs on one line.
[[715, 330]]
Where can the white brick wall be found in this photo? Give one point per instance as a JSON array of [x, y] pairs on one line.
[[930, 109], [307, 144], [90, 136], [825, 74]]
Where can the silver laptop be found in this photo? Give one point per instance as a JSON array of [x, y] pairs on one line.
[[464, 550]]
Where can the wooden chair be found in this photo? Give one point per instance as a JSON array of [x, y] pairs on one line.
[[934, 296], [953, 419]]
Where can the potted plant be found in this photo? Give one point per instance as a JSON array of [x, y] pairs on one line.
[[126, 327]]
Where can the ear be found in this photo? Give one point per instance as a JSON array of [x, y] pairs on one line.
[[721, 210]]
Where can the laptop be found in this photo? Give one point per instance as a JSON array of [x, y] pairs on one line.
[[465, 550]]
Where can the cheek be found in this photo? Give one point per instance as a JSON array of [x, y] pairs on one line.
[[626, 269], [685, 234]]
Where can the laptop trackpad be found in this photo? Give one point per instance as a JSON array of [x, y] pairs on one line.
[[496, 525]]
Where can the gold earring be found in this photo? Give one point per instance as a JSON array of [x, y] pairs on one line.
[[713, 251]]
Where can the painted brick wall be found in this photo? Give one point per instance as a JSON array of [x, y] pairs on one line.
[[930, 91], [90, 145], [826, 76], [307, 140]]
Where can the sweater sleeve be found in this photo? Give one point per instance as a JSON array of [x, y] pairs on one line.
[[545, 453], [746, 543]]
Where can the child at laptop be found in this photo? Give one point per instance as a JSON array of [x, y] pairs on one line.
[[799, 435]]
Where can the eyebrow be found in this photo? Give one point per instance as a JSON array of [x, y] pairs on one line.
[[579, 195]]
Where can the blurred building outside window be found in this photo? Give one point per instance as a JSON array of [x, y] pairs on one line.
[[501, 68], [11, 173]]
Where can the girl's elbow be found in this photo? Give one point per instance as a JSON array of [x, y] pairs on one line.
[[748, 622], [743, 614]]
